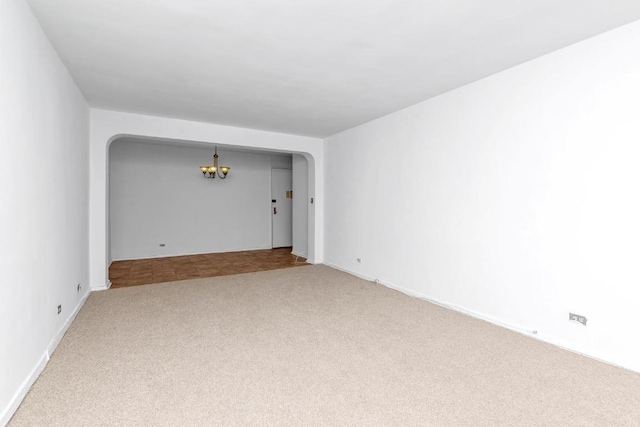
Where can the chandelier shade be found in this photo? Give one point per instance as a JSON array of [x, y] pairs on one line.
[[212, 170]]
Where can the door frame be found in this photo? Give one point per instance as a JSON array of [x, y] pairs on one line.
[[271, 203]]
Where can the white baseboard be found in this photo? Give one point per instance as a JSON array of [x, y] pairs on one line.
[[15, 402], [63, 330], [572, 347], [104, 287], [17, 398], [172, 254], [301, 255]]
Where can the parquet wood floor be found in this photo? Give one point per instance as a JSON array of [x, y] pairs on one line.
[[157, 270]]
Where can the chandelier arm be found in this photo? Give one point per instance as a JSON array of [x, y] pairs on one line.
[[210, 171]]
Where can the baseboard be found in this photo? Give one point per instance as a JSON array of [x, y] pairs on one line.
[[301, 255], [104, 287], [63, 330], [572, 347], [26, 385], [260, 248], [15, 402]]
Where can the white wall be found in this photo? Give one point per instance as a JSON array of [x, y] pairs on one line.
[[107, 126], [514, 198], [281, 161], [300, 221], [44, 209], [158, 195]]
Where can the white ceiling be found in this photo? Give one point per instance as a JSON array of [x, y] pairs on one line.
[[307, 67]]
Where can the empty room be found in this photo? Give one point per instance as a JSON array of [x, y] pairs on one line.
[[381, 213]]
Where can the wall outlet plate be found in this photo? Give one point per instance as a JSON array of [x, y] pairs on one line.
[[578, 318]]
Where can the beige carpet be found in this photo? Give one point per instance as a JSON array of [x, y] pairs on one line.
[[311, 346]]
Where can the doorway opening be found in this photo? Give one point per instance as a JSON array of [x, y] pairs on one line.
[[281, 208]]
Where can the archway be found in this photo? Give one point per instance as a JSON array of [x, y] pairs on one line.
[[109, 126]]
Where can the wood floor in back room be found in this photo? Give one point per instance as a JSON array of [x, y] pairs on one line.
[[169, 269]]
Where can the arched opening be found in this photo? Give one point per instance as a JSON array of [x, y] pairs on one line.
[[159, 205]]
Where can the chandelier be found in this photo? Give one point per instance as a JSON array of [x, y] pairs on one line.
[[210, 171]]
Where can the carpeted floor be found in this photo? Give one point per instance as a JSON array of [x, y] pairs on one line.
[[310, 346]]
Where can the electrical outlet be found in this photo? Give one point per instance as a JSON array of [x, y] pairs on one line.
[[578, 318], [79, 287], [59, 309]]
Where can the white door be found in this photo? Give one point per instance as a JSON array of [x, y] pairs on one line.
[[281, 208]]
